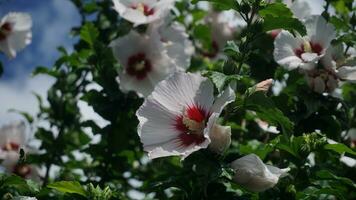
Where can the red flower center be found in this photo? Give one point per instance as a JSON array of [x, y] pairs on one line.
[[213, 51], [191, 125], [22, 170], [5, 30], [147, 11], [138, 66], [11, 146], [310, 47]]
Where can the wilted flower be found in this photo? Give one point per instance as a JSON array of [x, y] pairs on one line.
[[13, 138], [304, 52], [180, 117], [15, 33], [145, 62], [143, 11], [175, 40], [254, 175]]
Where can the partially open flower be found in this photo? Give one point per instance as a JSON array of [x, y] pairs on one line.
[[254, 175], [143, 11], [15, 33], [180, 117], [145, 62], [13, 138], [304, 52]]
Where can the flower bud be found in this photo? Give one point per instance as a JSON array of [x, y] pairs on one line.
[[220, 137], [264, 85], [254, 175]]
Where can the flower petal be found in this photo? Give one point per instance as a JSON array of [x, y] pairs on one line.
[[221, 101], [300, 9], [184, 89], [347, 73], [284, 50], [253, 174], [14, 132], [19, 21], [319, 31]]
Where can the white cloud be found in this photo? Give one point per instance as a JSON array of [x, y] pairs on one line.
[[17, 94]]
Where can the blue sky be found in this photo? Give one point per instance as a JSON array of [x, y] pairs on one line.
[[52, 20]]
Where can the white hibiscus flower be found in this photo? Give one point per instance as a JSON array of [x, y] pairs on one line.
[[13, 138], [145, 62], [143, 11], [254, 175], [180, 117], [304, 52], [221, 32], [332, 69], [176, 41], [15, 33]]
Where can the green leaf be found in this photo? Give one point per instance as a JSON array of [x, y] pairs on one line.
[[256, 147], [220, 80], [276, 10], [72, 187], [325, 174], [221, 4], [340, 148], [45, 70], [278, 16], [89, 33], [267, 111], [290, 24]]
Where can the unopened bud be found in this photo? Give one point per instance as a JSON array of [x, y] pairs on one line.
[[220, 137], [264, 85]]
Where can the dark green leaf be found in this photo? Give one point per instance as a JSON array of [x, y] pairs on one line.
[[89, 33], [267, 111], [278, 16], [340, 148], [221, 4]]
